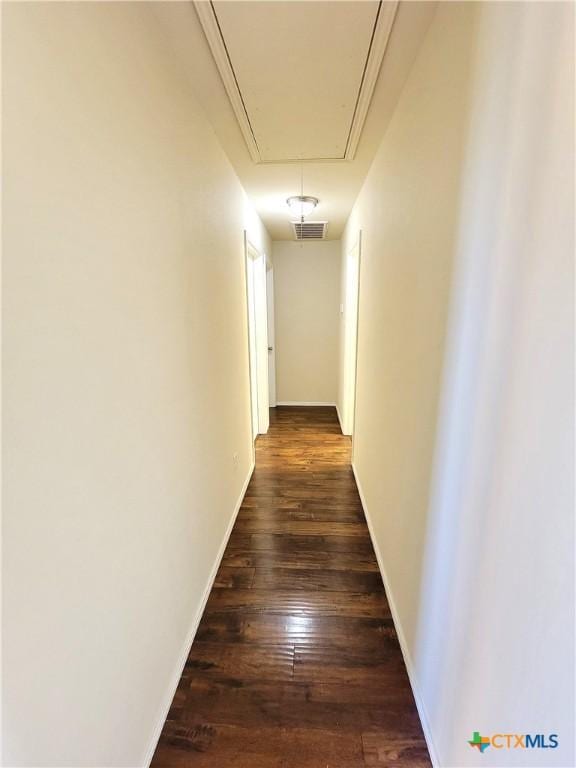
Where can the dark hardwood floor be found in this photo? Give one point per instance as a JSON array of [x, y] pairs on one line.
[[296, 663]]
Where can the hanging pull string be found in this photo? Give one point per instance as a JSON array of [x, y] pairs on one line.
[[301, 188], [302, 183], [301, 202]]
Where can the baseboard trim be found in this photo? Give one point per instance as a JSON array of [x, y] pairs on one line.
[[339, 419], [302, 403], [424, 719], [196, 621]]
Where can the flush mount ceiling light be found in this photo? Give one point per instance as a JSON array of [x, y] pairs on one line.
[[302, 205]]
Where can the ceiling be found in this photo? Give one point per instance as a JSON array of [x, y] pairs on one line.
[[298, 90]]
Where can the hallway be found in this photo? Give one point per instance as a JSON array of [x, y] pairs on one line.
[[296, 663], [288, 384]]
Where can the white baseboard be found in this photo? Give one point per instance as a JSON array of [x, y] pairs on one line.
[[298, 402], [424, 719], [193, 629], [340, 418]]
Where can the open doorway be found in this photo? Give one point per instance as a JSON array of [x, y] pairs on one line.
[[257, 337], [352, 286]]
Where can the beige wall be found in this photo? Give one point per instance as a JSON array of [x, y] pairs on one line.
[[463, 446], [125, 378], [307, 301]]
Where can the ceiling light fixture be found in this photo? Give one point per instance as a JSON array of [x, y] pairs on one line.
[[302, 205]]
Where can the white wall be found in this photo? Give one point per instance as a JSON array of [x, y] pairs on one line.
[[464, 448], [306, 307], [125, 377]]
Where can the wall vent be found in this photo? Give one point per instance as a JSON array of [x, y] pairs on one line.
[[309, 230]]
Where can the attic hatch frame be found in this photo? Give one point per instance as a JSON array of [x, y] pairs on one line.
[[384, 20]]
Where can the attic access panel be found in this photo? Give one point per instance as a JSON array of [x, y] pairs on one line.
[[299, 75]]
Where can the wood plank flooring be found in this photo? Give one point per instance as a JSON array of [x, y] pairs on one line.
[[296, 663]]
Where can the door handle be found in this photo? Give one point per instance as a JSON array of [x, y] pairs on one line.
[[270, 349]]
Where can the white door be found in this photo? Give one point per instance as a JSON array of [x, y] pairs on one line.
[[257, 338], [271, 343], [351, 336], [252, 346]]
